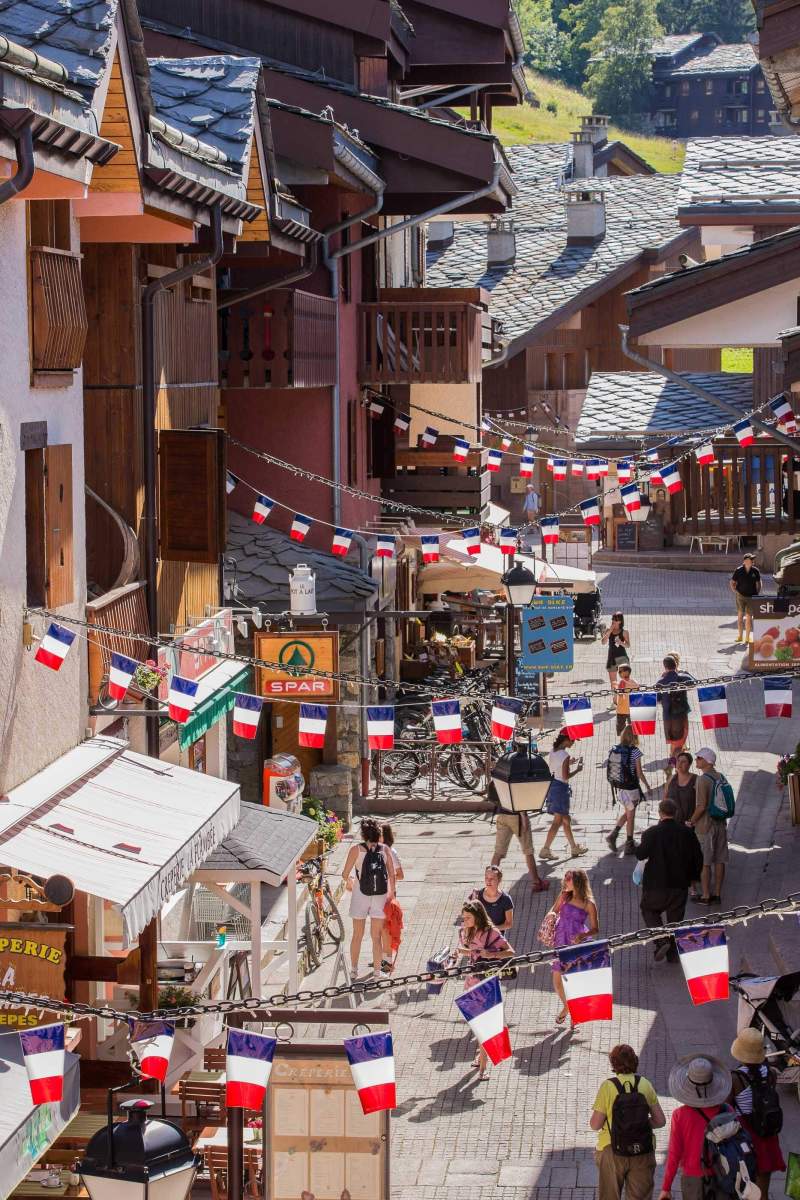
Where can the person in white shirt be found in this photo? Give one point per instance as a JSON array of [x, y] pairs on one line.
[[559, 795]]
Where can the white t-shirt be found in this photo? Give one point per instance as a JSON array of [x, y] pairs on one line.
[[398, 866], [555, 761]]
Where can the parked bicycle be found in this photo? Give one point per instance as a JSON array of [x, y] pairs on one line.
[[465, 766], [323, 921]]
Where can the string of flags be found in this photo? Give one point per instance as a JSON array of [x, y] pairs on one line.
[[312, 725], [386, 545], [380, 726], [248, 1066], [182, 697], [54, 646], [505, 714], [578, 719], [472, 540], [152, 1043], [481, 1007], [447, 721], [703, 952], [631, 497], [430, 547], [586, 976], [371, 1060], [509, 540], [550, 530], [713, 706], [43, 1052], [300, 526], [777, 696], [643, 712]]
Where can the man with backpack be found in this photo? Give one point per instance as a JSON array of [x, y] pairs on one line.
[[757, 1103], [673, 859], [625, 774], [624, 1115], [714, 806]]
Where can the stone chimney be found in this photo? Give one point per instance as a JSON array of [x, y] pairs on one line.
[[501, 243], [586, 217], [440, 234], [596, 126], [582, 154]]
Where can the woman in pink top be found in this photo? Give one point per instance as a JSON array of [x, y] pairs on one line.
[[701, 1085], [480, 944]]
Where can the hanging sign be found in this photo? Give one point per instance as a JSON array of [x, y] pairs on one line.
[[307, 650], [546, 632], [776, 633], [32, 959]]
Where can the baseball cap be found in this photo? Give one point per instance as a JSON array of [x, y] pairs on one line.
[[749, 555], [707, 754]]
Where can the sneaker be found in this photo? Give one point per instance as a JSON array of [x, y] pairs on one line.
[[546, 855], [611, 839], [630, 846], [662, 950], [579, 850]]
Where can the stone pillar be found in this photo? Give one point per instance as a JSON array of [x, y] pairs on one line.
[[332, 785]]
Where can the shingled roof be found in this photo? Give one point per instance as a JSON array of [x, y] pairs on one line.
[[673, 43], [642, 402], [736, 170], [265, 840], [721, 60], [77, 34]]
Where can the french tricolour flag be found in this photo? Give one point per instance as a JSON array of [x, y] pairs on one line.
[[152, 1043], [300, 527], [376, 408], [494, 460], [785, 414], [549, 464], [713, 706], [526, 464], [672, 478], [430, 436], [593, 468], [590, 511], [505, 443], [578, 719], [460, 449], [182, 698], [401, 423], [43, 1051], [652, 456], [311, 728], [472, 540], [341, 541], [508, 540], [54, 646], [481, 1007], [703, 952], [371, 1061], [380, 727], [603, 466], [248, 1063], [777, 696], [624, 471], [631, 497], [430, 547], [586, 976], [386, 545], [231, 481], [262, 508], [656, 478], [705, 454], [576, 467], [447, 721], [744, 432], [551, 530], [120, 675], [246, 715], [643, 712], [559, 468], [505, 711]]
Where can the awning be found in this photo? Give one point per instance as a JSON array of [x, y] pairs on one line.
[[462, 572], [265, 845], [123, 827], [215, 695], [28, 1130]]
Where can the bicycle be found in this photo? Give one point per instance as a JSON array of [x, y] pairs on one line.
[[322, 917], [462, 765]]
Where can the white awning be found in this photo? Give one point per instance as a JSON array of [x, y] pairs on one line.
[[459, 571], [124, 827], [28, 1130]]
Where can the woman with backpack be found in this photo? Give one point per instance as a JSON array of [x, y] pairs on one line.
[[481, 945], [618, 641], [373, 886], [625, 773], [675, 709], [754, 1095]]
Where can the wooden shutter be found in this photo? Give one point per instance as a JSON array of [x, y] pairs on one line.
[[191, 483], [59, 324], [59, 588]]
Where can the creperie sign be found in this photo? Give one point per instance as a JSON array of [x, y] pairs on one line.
[[32, 959], [297, 656]]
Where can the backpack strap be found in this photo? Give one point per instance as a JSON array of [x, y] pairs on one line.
[[620, 1088]]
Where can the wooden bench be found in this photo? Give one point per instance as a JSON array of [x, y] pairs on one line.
[[206, 1091], [216, 1162]]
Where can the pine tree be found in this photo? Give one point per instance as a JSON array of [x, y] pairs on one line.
[[619, 71], [582, 20], [545, 44], [731, 19]]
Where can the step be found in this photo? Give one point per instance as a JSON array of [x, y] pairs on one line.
[[677, 559]]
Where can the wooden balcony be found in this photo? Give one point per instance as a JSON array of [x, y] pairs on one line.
[[744, 493], [122, 608], [425, 335], [58, 312], [285, 339], [430, 479]]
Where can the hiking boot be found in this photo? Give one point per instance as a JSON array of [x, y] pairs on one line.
[[630, 846], [611, 839]]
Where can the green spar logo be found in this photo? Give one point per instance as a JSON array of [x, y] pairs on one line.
[[297, 656]]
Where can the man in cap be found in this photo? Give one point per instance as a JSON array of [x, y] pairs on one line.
[[745, 583], [712, 832], [701, 1086]]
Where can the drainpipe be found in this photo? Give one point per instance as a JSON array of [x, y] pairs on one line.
[[283, 281], [23, 146], [703, 393], [363, 637], [149, 427]]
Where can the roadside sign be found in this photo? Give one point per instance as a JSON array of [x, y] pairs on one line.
[[309, 649], [776, 633], [546, 634]]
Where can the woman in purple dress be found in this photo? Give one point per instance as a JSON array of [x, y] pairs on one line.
[[576, 921]]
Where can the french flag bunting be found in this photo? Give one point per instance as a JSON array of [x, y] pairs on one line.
[[231, 481], [311, 728], [593, 468], [704, 454], [590, 511], [380, 727], [43, 1051], [120, 675], [713, 702], [624, 471], [549, 464], [262, 509], [508, 540], [643, 712], [430, 436], [603, 464], [182, 698], [656, 478], [246, 715], [551, 530], [371, 1061], [578, 719], [54, 646], [744, 432], [486, 425], [559, 468], [703, 951], [376, 408], [505, 711], [672, 478], [494, 460], [586, 976], [460, 450], [430, 547], [401, 423], [447, 721], [526, 463], [785, 414], [386, 545], [472, 540], [300, 527], [248, 1063], [506, 443], [652, 456], [631, 497], [481, 1007], [777, 696], [341, 541], [576, 467], [152, 1043]]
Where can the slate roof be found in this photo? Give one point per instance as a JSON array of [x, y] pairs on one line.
[[265, 839], [673, 43], [210, 97], [547, 274], [721, 60], [760, 169], [75, 33], [640, 402], [265, 556]]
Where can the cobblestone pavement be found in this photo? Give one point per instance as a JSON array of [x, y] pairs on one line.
[[524, 1133]]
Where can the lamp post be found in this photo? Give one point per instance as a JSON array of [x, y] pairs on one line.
[[521, 778], [139, 1159], [519, 584]]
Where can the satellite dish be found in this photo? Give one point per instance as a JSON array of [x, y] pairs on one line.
[[58, 889]]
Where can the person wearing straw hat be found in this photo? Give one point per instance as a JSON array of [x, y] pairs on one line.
[[755, 1098], [701, 1085]]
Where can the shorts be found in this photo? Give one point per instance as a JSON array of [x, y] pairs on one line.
[[676, 729], [558, 798], [362, 906], [629, 798], [742, 603], [508, 826], [714, 843]]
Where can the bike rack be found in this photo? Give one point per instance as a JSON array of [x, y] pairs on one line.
[[433, 748]]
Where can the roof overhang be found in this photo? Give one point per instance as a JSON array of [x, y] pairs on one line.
[[779, 54], [313, 150]]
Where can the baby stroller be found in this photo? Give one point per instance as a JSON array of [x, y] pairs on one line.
[[587, 607], [760, 1000]]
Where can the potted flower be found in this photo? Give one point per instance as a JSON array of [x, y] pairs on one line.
[[148, 675], [173, 996], [329, 827]]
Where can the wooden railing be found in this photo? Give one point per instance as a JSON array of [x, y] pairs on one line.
[[430, 479], [122, 608], [58, 323], [745, 492], [286, 339]]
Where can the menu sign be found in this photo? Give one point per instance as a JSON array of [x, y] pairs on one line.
[[32, 959]]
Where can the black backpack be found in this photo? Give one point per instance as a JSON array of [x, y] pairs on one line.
[[373, 878], [631, 1130], [766, 1118], [727, 1152], [620, 771]]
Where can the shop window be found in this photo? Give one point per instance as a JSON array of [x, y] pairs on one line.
[[191, 494], [48, 526]]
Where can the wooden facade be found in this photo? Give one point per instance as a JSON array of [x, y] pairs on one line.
[[747, 491]]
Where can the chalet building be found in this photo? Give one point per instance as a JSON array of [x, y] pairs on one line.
[[702, 88], [778, 24]]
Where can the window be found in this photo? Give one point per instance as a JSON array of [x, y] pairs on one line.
[[48, 526], [191, 494], [668, 91], [760, 85], [709, 86], [684, 87], [719, 115], [694, 115], [58, 324], [761, 114]]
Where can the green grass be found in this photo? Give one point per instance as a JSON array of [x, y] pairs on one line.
[[526, 124], [738, 360]]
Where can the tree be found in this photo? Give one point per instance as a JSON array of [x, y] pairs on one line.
[[619, 71], [545, 44], [582, 20], [731, 19]]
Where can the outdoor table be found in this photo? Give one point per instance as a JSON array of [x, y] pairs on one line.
[[27, 1189], [217, 1135], [82, 1127]]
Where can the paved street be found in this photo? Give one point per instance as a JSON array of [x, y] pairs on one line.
[[524, 1133]]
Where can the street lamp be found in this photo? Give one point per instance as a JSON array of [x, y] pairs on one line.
[[519, 584], [521, 779], [139, 1159]]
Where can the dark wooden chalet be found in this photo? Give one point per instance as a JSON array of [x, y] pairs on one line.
[[702, 88]]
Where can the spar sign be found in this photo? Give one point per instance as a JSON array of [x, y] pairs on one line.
[[297, 655]]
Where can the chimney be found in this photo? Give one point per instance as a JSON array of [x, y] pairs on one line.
[[596, 126], [586, 217], [582, 154], [501, 243], [440, 234]]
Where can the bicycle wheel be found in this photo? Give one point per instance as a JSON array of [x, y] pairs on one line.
[[312, 933], [399, 768], [332, 919], [465, 768]]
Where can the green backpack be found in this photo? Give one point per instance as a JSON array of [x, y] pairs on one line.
[[722, 804]]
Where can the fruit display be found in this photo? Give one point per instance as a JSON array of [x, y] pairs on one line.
[[777, 642]]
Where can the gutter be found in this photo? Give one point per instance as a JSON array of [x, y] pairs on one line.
[[28, 60], [23, 146]]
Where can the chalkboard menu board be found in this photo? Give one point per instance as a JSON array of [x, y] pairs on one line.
[[651, 534], [626, 536]]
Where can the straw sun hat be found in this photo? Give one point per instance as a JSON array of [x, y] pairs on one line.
[[748, 1047], [700, 1082]]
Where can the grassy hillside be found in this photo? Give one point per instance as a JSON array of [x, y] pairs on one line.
[[527, 124]]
